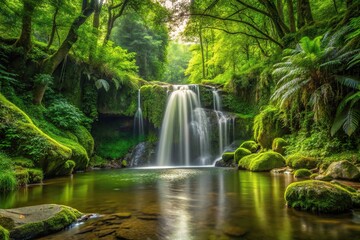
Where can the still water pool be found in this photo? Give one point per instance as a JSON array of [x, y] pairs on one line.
[[191, 203]]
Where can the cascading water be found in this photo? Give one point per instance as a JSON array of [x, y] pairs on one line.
[[225, 123], [184, 138], [138, 119]]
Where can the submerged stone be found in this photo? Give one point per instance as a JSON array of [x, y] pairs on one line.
[[318, 196]]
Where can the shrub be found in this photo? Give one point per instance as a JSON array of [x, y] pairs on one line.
[[22, 177], [7, 181], [302, 173], [64, 115], [35, 175], [43, 79], [252, 146]]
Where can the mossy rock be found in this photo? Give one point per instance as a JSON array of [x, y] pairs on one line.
[[252, 146], [318, 196], [262, 161], [302, 173], [343, 170], [66, 169], [279, 145], [228, 156], [153, 100], [35, 175], [240, 153], [23, 137], [85, 139], [298, 161], [22, 177], [4, 233], [39, 220], [314, 175]]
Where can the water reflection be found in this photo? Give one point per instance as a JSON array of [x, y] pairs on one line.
[[203, 203]]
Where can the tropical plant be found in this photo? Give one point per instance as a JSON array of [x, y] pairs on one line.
[[307, 75]]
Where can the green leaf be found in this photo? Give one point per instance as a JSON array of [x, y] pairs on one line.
[[102, 83]]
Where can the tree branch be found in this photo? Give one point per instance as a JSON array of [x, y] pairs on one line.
[[240, 32]]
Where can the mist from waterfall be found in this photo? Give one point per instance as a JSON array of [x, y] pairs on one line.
[[138, 119]]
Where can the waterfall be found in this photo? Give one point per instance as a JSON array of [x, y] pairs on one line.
[[138, 119], [184, 138], [225, 123]]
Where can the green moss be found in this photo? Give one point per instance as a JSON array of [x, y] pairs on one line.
[[240, 153], [66, 169], [97, 161], [267, 126], [23, 162], [85, 139], [252, 146], [35, 175], [262, 161], [153, 99], [279, 145], [314, 175], [228, 156], [318, 196], [298, 161], [22, 177], [302, 173], [20, 135], [4, 233], [124, 163]]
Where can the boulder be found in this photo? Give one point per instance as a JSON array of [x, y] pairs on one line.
[[30, 222], [228, 156], [240, 153], [252, 146], [279, 145], [262, 161], [302, 173], [298, 161], [342, 170], [318, 196]]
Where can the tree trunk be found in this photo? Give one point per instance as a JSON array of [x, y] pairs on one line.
[[53, 29], [25, 36], [279, 24], [96, 24], [39, 92], [300, 15], [291, 15], [304, 13], [51, 63], [112, 17], [202, 54]]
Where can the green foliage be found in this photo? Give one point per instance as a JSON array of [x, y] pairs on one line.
[[153, 103], [302, 173], [64, 115], [22, 162], [318, 196], [113, 148], [22, 177], [97, 161], [7, 181], [6, 77], [35, 175], [4, 233], [228, 156], [43, 79]]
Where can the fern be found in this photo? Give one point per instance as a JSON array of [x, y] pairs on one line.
[[101, 83]]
